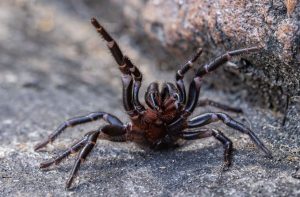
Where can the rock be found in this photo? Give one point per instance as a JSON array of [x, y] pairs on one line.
[[53, 66], [222, 25]]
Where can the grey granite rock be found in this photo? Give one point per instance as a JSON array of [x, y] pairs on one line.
[[53, 66]]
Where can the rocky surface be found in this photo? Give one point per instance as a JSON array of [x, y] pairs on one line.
[[222, 25], [53, 66]]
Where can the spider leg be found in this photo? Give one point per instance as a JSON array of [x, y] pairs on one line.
[[222, 60], [207, 118], [195, 85], [85, 146], [126, 67], [113, 131], [73, 149], [137, 76], [180, 74], [205, 102], [127, 82], [204, 133], [111, 119], [90, 143], [111, 44]]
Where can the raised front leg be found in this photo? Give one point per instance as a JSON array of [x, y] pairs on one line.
[[195, 85], [181, 72], [216, 63], [125, 66], [207, 118], [111, 119]]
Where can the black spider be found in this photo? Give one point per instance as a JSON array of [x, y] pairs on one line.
[[165, 118]]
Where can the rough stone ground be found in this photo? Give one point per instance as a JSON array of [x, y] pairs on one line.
[[53, 66]]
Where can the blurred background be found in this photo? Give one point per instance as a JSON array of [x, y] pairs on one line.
[[54, 66]]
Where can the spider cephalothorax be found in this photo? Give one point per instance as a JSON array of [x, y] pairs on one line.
[[163, 120]]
